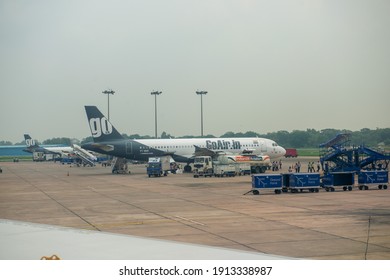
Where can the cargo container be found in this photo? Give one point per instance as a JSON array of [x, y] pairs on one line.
[[378, 178], [267, 181], [301, 181], [344, 180]]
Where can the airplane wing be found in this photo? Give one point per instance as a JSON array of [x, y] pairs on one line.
[[199, 151], [169, 154], [203, 152]]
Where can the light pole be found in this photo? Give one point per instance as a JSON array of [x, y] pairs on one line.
[[201, 93], [108, 92], [155, 93]]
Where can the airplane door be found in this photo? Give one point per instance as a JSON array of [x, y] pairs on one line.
[[129, 148], [263, 147]]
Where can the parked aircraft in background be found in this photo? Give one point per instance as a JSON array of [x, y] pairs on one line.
[[74, 151], [107, 140], [34, 147]]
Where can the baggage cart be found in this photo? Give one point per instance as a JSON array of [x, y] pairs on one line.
[[344, 180], [267, 181], [378, 178], [301, 181]]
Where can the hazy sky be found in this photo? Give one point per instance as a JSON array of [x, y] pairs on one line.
[[268, 65]]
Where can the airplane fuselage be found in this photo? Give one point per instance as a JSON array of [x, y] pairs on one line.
[[182, 150]]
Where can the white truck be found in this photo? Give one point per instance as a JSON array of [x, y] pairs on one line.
[[230, 165], [38, 156], [219, 167]]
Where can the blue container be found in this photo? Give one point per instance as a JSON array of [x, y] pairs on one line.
[[376, 177], [304, 180], [301, 181], [346, 180], [267, 181]]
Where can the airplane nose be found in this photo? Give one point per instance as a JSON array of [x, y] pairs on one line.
[[282, 151]]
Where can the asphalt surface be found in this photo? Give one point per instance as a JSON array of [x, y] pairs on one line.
[[209, 211]]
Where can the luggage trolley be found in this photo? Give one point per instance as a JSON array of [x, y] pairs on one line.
[[371, 178], [301, 181], [267, 181], [346, 180]]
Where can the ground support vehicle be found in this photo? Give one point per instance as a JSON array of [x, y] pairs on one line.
[[198, 172], [67, 160], [221, 170], [257, 164], [338, 155], [219, 167], [243, 169], [262, 182], [291, 153], [158, 166], [223, 165], [119, 166], [378, 178], [344, 180], [203, 166], [38, 156], [83, 157], [295, 182]]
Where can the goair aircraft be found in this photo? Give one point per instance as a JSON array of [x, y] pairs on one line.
[[107, 140], [34, 147]]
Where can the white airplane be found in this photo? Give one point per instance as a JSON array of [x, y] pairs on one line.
[[63, 151], [34, 147], [107, 140]]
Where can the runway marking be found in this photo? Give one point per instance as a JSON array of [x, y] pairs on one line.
[[134, 223], [189, 220]]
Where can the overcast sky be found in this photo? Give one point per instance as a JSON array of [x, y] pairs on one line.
[[267, 65]]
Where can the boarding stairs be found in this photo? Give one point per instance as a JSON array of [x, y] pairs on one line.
[[371, 159], [338, 156], [86, 157]]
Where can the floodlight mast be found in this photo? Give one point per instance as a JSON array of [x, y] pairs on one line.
[[108, 92], [201, 93], [155, 93]]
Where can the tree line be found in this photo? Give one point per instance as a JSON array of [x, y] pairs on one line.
[[309, 138]]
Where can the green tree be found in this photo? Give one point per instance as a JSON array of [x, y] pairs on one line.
[[58, 140]]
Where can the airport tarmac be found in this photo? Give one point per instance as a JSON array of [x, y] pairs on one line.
[[353, 225]]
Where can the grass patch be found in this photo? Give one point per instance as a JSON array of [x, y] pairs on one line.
[[308, 152], [11, 158]]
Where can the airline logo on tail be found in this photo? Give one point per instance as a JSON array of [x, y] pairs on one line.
[[30, 142], [100, 126]]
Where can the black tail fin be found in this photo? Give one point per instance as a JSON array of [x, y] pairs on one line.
[[30, 143], [101, 129]]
